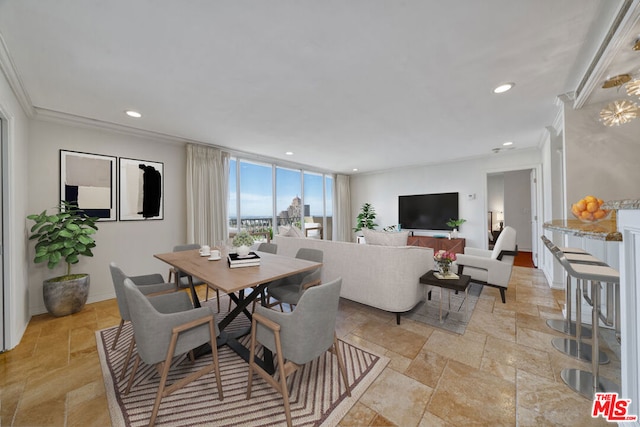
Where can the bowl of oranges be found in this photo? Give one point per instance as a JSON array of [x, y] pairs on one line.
[[588, 210]]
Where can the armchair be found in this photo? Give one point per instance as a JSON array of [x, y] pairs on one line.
[[491, 267], [165, 326], [297, 337]]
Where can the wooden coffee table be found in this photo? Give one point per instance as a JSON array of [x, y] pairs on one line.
[[458, 285]]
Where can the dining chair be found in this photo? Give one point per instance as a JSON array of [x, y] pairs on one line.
[[289, 289], [149, 284], [297, 337], [166, 326], [185, 280]]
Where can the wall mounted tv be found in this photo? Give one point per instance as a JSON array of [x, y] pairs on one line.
[[427, 211]]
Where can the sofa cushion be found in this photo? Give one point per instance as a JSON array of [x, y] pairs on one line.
[[290, 231], [385, 238]]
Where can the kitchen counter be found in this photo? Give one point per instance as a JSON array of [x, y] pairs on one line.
[[606, 230]]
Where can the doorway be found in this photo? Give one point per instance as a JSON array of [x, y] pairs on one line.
[[512, 200]]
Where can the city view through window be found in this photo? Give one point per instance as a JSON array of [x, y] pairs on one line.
[[265, 196]]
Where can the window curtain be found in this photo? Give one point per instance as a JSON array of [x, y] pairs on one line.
[[207, 194], [342, 225]]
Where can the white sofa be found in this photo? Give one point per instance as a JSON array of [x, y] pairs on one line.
[[384, 277]]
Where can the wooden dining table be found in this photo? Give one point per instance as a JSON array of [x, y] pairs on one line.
[[234, 281]]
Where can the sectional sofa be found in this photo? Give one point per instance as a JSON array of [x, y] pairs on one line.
[[384, 277]]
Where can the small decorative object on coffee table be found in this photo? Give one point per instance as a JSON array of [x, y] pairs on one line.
[[443, 260]]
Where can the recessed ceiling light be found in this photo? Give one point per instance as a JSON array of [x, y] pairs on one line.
[[503, 87], [132, 113], [355, 169], [507, 143], [289, 153]]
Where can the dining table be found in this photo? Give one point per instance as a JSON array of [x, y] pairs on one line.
[[218, 274]]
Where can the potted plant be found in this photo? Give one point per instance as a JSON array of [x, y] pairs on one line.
[[64, 236], [454, 224], [242, 241], [365, 218]]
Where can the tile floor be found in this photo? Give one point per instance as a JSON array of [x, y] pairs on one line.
[[501, 372]]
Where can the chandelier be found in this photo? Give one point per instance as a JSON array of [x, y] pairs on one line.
[[619, 112], [623, 110]]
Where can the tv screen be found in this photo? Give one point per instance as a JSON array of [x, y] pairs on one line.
[[427, 211]]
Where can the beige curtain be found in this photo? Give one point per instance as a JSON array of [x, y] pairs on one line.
[[207, 194], [342, 215]]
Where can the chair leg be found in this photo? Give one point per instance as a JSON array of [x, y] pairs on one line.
[[115, 340], [341, 364], [283, 380], [214, 354], [217, 298], [133, 374], [503, 295], [128, 357], [252, 353]]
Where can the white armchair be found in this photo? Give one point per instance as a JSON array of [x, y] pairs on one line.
[[491, 267]]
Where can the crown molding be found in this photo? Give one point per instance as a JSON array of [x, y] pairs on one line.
[[15, 82], [86, 122], [616, 37]]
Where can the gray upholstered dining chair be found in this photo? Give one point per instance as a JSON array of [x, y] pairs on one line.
[[297, 337], [148, 284], [185, 280], [491, 267], [290, 289], [166, 326]]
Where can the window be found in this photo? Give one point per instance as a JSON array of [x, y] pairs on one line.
[[301, 197], [288, 202]]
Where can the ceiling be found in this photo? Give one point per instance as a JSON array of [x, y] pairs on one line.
[[367, 84]]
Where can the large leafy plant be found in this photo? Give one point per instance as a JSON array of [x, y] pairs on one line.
[[63, 236], [365, 218]]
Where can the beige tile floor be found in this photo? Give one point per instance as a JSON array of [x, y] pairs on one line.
[[501, 372]]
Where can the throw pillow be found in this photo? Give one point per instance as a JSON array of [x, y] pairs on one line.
[[283, 230], [385, 238], [295, 232]]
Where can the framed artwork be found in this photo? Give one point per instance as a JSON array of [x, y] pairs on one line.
[[141, 190], [89, 180]]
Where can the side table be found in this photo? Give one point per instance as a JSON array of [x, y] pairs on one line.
[[459, 284]]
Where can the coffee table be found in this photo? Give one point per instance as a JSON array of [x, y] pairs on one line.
[[460, 284]]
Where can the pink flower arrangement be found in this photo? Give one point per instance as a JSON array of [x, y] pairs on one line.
[[444, 257]]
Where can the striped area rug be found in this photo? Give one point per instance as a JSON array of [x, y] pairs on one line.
[[317, 397]]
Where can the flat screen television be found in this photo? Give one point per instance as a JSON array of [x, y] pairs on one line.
[[427, 211]]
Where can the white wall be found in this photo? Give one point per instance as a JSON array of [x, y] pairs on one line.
[[131, 244], [465, 177], [16, 293], [600, 160]]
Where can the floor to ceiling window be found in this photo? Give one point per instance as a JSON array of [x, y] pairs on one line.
[[265, 196]]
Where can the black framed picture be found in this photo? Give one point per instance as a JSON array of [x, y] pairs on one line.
[[89, 181], [141, 190]]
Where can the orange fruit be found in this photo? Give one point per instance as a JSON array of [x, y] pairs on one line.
[[581, 205], [599, 214], [590, 199], [592, 206], [586, 215]]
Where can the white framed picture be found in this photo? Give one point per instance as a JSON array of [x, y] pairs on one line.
[[141, 190], [89, 181]]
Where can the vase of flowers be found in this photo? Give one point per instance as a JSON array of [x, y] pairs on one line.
[[242, 241], [443, 260]]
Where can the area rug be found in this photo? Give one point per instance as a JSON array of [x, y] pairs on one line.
[[428, 311], [317, 397]]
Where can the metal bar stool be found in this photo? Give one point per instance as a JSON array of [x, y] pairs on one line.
[[584, 382], [577, 255]]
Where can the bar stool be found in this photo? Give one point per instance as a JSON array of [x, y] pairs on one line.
[[584, 382], [577, 255]]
